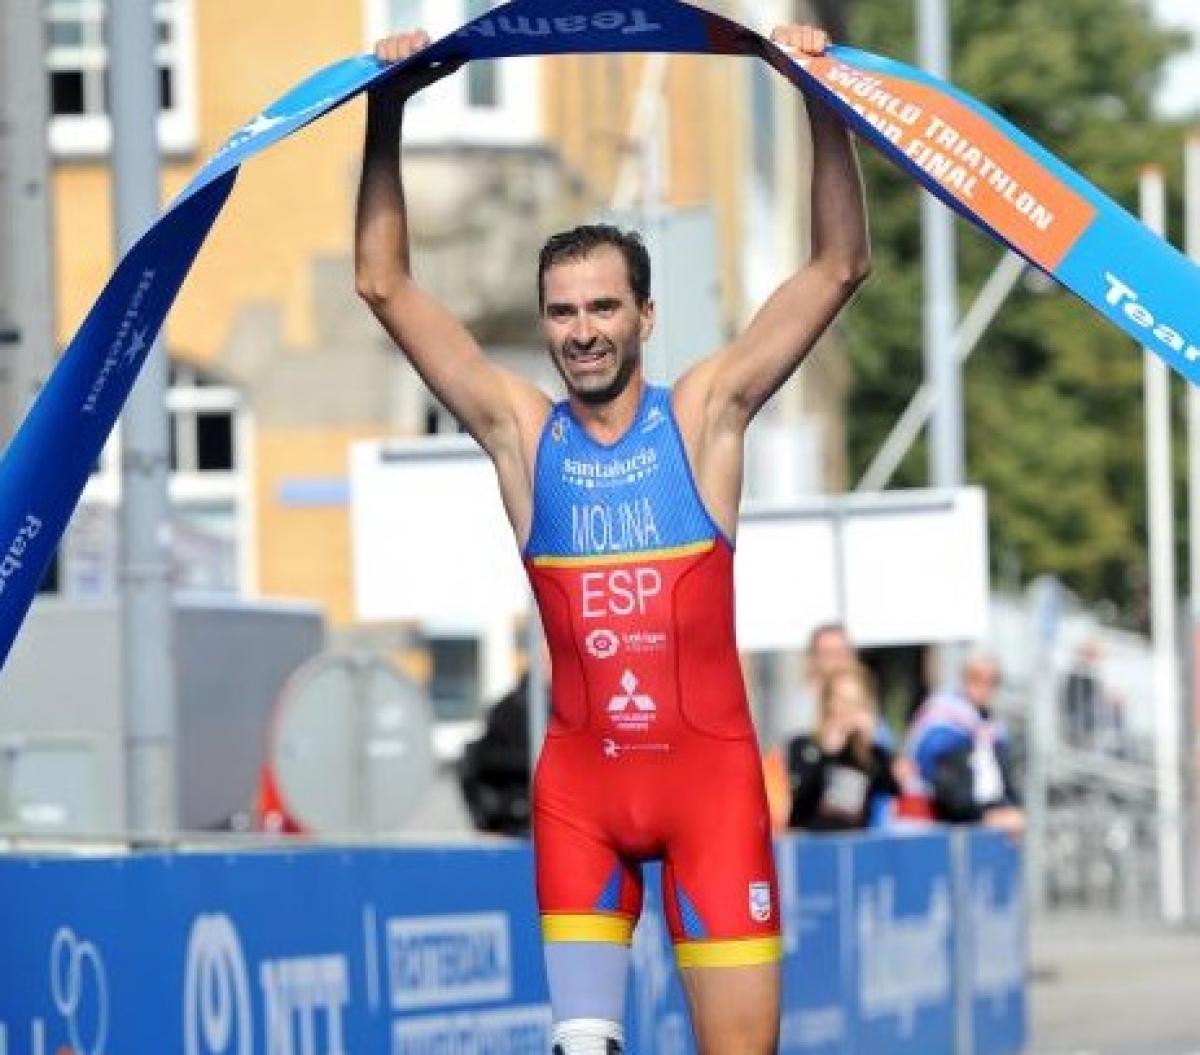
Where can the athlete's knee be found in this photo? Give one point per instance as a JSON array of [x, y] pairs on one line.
[[588, 1036]]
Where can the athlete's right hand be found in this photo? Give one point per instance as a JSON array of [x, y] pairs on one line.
[[400, 46]]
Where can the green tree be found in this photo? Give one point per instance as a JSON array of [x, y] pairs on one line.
[[1053, 392]]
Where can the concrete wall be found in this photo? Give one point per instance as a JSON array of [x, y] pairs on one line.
[[61, 731]]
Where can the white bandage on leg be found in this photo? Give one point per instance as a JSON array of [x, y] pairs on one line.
[[588, 1036]]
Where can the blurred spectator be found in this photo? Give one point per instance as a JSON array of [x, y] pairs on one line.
[[829, 651], [960, 754], [1083, 697], [493, 772], [1111, 734], [838, 772]]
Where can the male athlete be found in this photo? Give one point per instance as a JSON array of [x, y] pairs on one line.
[[624, 500]]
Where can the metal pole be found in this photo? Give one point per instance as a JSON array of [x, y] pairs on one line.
[[1160, 518], [147, 648], [937, 236], [1192, 244], [942, 370], [27, 343], [1046, 603], [974, 325], [635, 169]]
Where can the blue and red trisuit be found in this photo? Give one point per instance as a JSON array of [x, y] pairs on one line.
[[651, 751]]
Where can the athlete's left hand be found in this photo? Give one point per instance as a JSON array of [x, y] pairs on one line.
[[805, 39]]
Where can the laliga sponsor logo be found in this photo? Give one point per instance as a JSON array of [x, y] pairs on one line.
[[602, 643], [11, 564], [216, 991], [1121, 295], [119, 352], [628, 20], [80, 991]]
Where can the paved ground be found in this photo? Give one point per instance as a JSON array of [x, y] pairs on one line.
[[1105, 987]]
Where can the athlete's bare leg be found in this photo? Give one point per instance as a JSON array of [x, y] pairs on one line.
[[735, 1010]]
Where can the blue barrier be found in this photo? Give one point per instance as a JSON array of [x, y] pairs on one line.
[[893, 945]]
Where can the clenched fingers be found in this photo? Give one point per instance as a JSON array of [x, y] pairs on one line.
[[805, 39]]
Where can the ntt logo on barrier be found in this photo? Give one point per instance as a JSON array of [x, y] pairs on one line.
[[304, 998], [216, 991], [629, 22]]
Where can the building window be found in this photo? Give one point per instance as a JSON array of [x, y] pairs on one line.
[[487, 103], [439, 421], [77, 64], [454, 690], [208, 488], [203, 419]]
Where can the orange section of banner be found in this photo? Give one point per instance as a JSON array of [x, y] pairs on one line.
[[961, 151]]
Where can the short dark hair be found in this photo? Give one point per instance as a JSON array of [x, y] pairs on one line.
[[582, 241]]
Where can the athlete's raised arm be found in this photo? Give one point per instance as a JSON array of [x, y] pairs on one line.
[[717, 399], [485, 398]]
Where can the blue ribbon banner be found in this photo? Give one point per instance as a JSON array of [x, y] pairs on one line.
[[972, 159]]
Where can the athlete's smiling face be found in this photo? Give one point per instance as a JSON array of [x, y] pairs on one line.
[[593, 325]]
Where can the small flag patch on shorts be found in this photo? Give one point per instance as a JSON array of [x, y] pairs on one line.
[[760, 902]]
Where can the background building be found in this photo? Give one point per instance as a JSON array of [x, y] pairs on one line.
[[277, 368]]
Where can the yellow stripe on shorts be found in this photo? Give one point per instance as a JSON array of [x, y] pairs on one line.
[[587, 926], [736, 952]]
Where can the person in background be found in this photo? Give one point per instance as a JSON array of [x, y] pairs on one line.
[[960, 756], [494, 771], [1084, 697], [829, 652], [838, 773]]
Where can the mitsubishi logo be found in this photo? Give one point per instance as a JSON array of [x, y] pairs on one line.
[[620, 703]]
